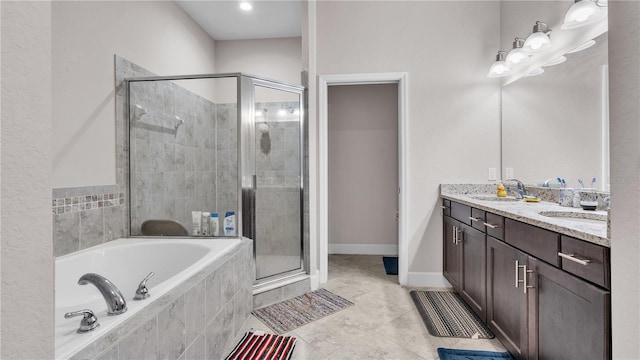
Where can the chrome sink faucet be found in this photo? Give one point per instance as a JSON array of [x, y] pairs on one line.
[[521, 191], [116, 303]]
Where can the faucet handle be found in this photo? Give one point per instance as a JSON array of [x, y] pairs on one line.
[[142, 292], [89, 320]]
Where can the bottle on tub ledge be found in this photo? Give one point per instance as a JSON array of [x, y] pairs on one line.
[[230, 223], [196, 223], [214, 225], [205, 224]]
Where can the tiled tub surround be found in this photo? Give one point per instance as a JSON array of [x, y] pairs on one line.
[[595, 232], [87, 216], [198, 318]]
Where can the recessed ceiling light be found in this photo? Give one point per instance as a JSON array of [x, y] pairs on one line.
[[246, 6]]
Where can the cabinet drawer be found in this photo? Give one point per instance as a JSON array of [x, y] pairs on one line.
[[461, 212], [597, 268], [446, 207], [477, 219], [497, 221], [541, 243]]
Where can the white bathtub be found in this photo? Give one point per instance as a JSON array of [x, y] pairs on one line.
[[125, 262]]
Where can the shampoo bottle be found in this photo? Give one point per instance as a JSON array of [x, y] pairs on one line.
[[196, 219], [214, 225], [229, 223], [205, 224]]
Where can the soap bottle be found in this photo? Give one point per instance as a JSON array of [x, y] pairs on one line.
[[501, 192], [205, 224], [576, 199], [214, 224]]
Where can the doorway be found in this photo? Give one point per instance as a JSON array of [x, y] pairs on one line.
[[399, 81], [363, 169]]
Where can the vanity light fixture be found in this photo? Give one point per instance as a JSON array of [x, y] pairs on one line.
[[517, 55], [583, 12], [584, 46], [535, 72], [246, 6], [559, 60], [538, 41], [499, 68]]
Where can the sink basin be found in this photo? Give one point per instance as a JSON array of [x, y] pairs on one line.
[[489, 197], [576, 216]]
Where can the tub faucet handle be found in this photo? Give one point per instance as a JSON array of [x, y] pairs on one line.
[[142, 292], [89, 320]]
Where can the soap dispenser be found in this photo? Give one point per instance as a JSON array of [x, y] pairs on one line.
[[576, 199]]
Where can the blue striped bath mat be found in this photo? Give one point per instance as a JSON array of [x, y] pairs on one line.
[[458, 354]]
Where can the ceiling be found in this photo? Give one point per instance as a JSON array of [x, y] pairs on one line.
[[223, 19]]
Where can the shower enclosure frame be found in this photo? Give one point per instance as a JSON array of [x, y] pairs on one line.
[[246, 146]]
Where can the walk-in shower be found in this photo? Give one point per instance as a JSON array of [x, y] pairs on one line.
[[219, 144]]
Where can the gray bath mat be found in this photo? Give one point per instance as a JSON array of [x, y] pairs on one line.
[[290, 314], [446, 315]]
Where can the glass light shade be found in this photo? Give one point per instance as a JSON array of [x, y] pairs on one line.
[[498, 69], [535, 72], [582, 13], [516, 56], [559, 60], [536, 43], [584, 46]]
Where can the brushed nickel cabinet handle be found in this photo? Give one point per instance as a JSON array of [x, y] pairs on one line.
[[493, 226], [473, 218], [572, 257]]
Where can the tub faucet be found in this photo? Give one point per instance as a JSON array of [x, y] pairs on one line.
[[520, 192], [112, 296]]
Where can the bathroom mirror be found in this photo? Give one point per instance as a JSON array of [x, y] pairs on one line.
[[555, 124]]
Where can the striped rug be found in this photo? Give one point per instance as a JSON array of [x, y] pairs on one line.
[[446, 315], [290, 314], [257, 345]]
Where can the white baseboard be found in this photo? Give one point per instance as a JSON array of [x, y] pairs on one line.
[[364, 249], [427, 279]]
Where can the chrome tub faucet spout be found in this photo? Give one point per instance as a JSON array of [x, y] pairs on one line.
[[116, 303]]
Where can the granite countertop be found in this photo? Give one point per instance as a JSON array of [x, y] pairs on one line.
[[529, 212]]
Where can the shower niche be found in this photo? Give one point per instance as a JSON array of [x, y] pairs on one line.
[[219, 143]]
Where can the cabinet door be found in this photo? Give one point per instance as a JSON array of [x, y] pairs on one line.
[[569, 318], [452, 255], [474, 286], [506, 303]]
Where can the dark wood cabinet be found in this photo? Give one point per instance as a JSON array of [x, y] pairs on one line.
[[473, 287], [545, 296], [507, 313], [569, 318], [452, 255]]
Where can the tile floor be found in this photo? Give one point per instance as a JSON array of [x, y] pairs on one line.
[[383, 323]]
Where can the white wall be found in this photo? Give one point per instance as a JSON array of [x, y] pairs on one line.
[[454, 109], [624, 85], [363, 168], [25, 186], [157, 35], [278, 59]]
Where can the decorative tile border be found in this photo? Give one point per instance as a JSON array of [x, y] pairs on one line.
[[86, 202]]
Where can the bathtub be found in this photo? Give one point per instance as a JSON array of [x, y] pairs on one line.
[[125, 262]]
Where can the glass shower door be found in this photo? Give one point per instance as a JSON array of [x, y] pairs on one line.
[[278, 180]]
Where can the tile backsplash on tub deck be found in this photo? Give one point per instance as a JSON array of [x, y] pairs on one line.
[[87, 216]]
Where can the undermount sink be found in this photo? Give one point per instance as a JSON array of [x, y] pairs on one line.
[[576, 216], [492, 198]]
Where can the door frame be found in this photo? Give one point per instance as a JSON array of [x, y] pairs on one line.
[[324, 81]]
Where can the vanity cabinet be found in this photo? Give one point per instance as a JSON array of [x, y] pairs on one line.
[[544, 295], [464, 260]]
